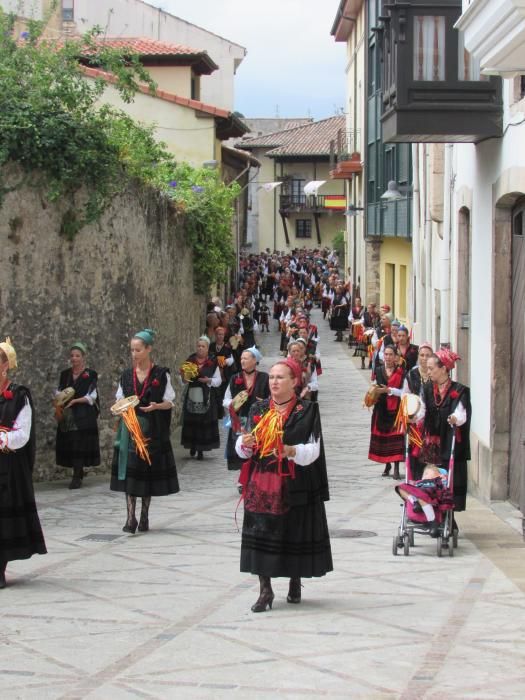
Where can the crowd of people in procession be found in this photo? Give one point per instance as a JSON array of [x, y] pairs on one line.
[[274, 439]]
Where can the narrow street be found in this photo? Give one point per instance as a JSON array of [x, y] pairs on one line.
[[166, 614]]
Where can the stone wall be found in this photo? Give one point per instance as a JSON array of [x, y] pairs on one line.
[[129, 270]]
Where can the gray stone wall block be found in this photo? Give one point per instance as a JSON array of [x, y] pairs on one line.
[[129, 270]]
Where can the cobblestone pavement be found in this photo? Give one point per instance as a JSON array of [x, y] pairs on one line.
[[166, 614]]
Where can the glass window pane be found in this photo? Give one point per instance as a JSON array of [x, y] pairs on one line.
[[429, 47]]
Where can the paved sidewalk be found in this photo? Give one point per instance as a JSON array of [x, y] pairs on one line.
[[167, 614]]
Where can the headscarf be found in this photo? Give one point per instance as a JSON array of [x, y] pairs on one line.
[[294, 341], [79, 346], [255, 352], [297, 371], [447, 357], [147, 336], [396, 324], [9, 352], [426, 344]]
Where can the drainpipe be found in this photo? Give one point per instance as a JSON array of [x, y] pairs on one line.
[[444, 261], [416, 242], [428, 319]]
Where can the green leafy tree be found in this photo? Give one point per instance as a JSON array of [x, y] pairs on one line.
[[52, 125]]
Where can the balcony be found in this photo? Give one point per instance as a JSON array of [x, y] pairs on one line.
[[432, 88], [494, 33], [345, 156], [311, 204], [389, 219]]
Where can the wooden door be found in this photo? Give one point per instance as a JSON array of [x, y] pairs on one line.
[[517, 420]]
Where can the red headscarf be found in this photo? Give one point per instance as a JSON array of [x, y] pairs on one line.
[[295, 368], [447, 358]]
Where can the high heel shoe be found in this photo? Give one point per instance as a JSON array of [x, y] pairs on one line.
[[130, 527], [263, 601], [294, 591]]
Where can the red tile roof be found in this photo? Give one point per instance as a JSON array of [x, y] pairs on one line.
[[153, 51], [171, 97], [307, 140]]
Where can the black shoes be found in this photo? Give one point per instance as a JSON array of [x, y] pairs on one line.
[[76, 481], [193, 452], [143, 524], [294, 591], [386, 471], [200, 456], [265, 600], [130, 526], [396, 474], [266, 596]]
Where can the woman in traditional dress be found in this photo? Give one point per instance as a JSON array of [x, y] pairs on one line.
[[250, 384], [415, 381], [309, 386], [130, 473], [200, 427], [77, 443], [20, 531], [387, 444], [339, 317], [285, 532], [448, 410]]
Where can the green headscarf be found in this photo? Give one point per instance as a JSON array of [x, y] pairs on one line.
[[147, 336], [79, 346]]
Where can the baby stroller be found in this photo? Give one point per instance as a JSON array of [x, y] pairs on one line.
[[413, 522]]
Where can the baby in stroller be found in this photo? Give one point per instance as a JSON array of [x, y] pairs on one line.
[[428, 498]]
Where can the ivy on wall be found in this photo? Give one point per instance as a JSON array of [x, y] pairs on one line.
[[52, 125]]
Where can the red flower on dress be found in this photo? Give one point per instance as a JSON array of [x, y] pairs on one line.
[[85, 375], [454, 394], [256, 419], [299, 407], [155, 382], [239, 381], [7, 394]]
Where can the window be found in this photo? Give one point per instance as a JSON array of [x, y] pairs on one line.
[[303, 228], [429, 47], [295, 191], [68, 10]]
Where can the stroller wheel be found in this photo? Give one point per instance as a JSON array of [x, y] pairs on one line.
[[395, 543], [450, 548], [455, 539], [411, 537], [439, 544], [406, 545]]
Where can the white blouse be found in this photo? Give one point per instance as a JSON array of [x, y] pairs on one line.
[[169, 391], [306, 453], [19, 435]]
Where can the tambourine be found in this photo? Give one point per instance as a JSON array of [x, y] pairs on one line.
[[64, 397], [123, 405], [239, 400], [412, 405], [125, 409], [372, 395]]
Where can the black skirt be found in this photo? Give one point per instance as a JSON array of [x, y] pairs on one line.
[[77, 448], [200, 431], [20, 531], [292, 544]]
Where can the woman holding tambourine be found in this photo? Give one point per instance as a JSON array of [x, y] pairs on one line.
[[144, 465]]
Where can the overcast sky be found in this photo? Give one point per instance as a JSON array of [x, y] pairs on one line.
[[293, 67]]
